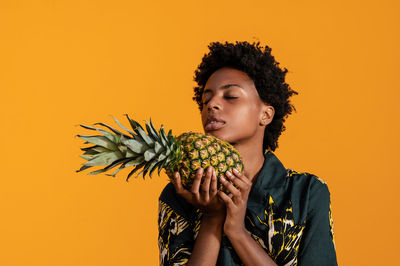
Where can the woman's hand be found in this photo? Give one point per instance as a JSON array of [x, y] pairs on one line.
[[202, 195], [236, 201]]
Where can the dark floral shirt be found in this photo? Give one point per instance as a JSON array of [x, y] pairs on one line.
[[288, 214]]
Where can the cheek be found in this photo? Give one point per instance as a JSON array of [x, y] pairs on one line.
[[245, 116], [245, 121], [203, 117]]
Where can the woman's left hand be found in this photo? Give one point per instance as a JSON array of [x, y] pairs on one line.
[[236, 201]]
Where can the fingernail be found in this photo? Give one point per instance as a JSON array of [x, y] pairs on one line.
[[222, 178], [235, 170], [228, 173]]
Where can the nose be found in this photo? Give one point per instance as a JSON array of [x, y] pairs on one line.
[[213, 103]]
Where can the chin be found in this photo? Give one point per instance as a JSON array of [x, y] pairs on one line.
[[219, 134]]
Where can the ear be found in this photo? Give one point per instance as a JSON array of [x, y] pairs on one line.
[[267, 114]]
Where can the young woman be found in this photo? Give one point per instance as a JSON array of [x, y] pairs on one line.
[[274, 215]]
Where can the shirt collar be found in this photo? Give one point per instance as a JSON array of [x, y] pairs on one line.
[[272, 174]]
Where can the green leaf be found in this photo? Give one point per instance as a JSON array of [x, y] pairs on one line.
[[150, 168], [161, 157], [104, 158], [107, 134], [112, 165], [119, 169], [136, 161], [83, 168], [163, 141], [101, 149], [135, 169], [121, 125], [86, 157], [154, 168], [117, 139], [169, 159], [99, 140], [170, 136], [149, 141], [140, 131], [149, 154], [91, 152], [168, 151], [163, 136], [158, 148], [160, 167], [130, 153], [135, 145], [116, 171], [152, 132], [97, 150], [134, 124], [96, 172], [89, 148], [123, 149], [172, 147], [113, 130], [88, 127], [144, 170]]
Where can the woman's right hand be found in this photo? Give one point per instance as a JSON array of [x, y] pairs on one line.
[[202, 195]]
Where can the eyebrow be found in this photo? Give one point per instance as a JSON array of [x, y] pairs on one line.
[[224, 87]]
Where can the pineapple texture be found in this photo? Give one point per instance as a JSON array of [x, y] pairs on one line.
[[200, 150]]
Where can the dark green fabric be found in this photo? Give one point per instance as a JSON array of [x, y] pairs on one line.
[[289, 209]]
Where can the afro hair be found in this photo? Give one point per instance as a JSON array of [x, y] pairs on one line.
[[258, 63]]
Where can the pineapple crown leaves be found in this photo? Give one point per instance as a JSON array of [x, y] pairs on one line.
[[143, 150]]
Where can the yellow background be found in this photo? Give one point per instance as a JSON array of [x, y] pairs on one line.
[[64, 63]]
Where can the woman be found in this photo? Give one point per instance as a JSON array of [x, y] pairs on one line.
[[274, 215]]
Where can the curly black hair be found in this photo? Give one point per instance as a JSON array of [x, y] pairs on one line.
[[261, 67]]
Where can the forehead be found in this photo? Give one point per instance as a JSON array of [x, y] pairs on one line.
[[227, 75]]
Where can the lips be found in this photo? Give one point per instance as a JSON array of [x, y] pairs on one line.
[[213, 123]]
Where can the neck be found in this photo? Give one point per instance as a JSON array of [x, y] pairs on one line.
[[253, 160]]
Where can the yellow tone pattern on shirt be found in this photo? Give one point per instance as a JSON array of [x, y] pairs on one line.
[[171, 225], [283, 235]]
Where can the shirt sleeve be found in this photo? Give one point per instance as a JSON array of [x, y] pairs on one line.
[[175, 236], [317, 244]]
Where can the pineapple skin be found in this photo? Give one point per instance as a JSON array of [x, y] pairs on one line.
[[203, 150]]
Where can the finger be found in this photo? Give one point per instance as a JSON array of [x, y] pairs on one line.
[[243, 186], [236, 193], [197, 180], [176, 181], [214, 187], [241, 176], [225, 198], [205, 187]]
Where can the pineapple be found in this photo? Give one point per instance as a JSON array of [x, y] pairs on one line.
[[149, 151]]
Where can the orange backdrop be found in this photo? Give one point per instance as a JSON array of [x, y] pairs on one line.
[[64, 63]]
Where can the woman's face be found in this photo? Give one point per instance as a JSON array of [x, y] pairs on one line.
[[232, 109]]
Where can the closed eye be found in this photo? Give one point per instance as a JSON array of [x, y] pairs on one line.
[[226, 97]]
